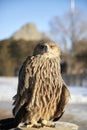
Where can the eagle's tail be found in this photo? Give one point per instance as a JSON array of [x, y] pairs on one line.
[[8, 123]]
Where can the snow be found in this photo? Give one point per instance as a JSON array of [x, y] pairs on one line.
[[8, 88], [78, 94]]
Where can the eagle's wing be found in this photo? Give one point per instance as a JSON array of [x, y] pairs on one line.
[[20, 97], [64, 98]]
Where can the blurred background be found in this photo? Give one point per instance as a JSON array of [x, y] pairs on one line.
[[23, 23]]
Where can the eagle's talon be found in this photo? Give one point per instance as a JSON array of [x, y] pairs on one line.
[[48, 123], [34, 124]]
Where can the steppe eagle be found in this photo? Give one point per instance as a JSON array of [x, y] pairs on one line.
[[42, 94]]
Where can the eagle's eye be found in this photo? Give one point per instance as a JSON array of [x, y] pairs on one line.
[[42, 47]]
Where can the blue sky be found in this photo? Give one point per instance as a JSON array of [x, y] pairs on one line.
[[16, 13]]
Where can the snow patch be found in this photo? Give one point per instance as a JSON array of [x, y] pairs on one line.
[[8, 88], [78, 94]]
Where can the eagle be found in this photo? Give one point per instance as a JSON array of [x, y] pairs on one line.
[[42, 94]]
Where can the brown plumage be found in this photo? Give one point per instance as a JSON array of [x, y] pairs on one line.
[[42, 94]]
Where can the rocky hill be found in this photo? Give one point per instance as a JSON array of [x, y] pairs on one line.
[[29, 32], [14, 50]]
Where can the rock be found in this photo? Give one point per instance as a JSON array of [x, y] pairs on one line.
[[29, 32], [59, 126]]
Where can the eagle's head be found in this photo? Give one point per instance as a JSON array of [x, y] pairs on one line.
[[47, 48]]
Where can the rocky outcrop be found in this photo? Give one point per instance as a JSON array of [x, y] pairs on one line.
[[29, 32], [59, 126]]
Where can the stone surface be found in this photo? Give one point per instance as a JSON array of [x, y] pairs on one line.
[[59, 126]]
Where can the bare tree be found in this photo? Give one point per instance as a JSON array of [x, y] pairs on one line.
[[68, 29]]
